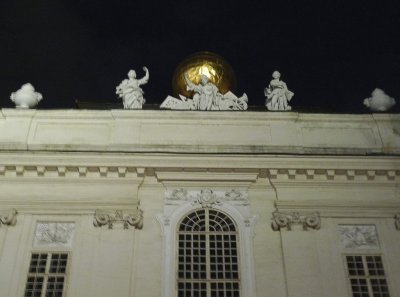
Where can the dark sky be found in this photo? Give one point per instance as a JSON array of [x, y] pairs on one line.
[[331, 55]]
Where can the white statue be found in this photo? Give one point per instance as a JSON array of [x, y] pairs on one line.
[[278, 95], [206, 94], [131, 92], [26, 97], [379, 101], [206, 97]]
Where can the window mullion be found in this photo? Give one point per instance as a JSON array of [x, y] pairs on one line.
[[366, 275], [208, 260], [46, 275]]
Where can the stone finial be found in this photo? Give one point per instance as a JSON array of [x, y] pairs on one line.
[[26, 97], [379, 101]]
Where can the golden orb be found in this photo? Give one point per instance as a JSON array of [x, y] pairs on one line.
[[216, 68]]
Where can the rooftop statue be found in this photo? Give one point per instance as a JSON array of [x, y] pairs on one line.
[[26, 97], [379, 101], [131, 92], [278, 95], [206, 97]]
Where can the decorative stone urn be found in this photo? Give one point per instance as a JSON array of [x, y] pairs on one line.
[[26, 97], [379, 101]]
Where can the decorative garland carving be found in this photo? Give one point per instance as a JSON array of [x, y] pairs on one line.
[[286, 220], [9, 218], [397, 221], [109, 218], [206, 197]]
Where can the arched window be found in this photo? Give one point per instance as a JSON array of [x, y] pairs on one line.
[[208, 255]]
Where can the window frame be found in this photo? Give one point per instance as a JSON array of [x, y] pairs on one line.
[[245, 222], [47, 274], [367, 275], [208, 280]]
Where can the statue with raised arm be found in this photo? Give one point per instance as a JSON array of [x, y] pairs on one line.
[[207, 96], [131, 92], [278, 95]]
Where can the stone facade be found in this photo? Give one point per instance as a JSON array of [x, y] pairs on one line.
[[109, 188]]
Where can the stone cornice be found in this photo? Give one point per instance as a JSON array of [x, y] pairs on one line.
[[199, 132], [180, 161], [342, 208], [340, 175], [70, 171], [303, 175]]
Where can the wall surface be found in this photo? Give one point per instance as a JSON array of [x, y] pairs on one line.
[[305, 190]]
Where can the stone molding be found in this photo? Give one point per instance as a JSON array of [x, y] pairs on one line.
[[278, 174], [179, 131], [286, 220], [334, 174], [70, 171], [397, 221], [126, 218], [9, 218], [341, 208]]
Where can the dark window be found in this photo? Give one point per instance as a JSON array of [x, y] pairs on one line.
[[46, 275]]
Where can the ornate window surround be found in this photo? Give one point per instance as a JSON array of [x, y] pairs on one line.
[[31, 248], [236, 206]]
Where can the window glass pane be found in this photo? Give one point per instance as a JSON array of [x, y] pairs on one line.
[[355, 265], [34, 286], [375, 266], [55, 286], [58, 263], [38, 263]]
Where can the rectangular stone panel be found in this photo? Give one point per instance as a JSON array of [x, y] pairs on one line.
[[54, 234], [204, 134]]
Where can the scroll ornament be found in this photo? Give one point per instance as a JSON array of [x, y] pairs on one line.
[[102, 218], [286, 220], [9, 219]]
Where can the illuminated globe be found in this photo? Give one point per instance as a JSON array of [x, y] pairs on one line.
[[216, 68]]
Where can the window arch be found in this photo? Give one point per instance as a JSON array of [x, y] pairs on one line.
[[208, 264]]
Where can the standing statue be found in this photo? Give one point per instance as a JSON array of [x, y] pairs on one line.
[[131, 92], [207, 96], [277, 94]]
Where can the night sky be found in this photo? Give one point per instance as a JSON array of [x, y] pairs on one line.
[[330, 55]]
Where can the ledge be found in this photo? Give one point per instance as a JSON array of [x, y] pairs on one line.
[[159, 131]]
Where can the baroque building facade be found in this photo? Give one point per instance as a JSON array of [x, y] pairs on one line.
[[188, 203]]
